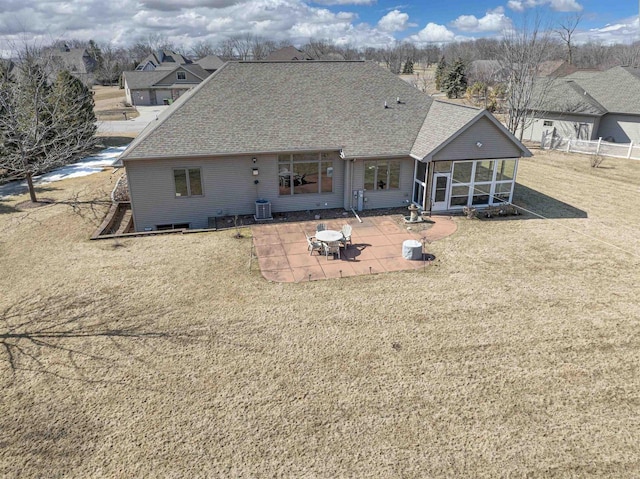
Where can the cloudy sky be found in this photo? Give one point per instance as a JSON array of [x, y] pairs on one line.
[[354, 22]]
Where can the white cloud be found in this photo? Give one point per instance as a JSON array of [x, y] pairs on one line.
[[493, 21], [557, 5], [625, 31], [173, 5], [565, 6], [345, 2], [516, 5], [394, 21], [433, 33]]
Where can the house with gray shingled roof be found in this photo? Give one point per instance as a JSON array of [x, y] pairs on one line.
[[314, 135], [588, 105], [289, 53], [163, 85], [210, 63]]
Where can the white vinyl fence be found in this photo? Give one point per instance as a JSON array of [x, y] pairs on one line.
[[590, 147]]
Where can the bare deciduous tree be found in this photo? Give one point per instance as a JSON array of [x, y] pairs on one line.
[[42, 124], [522, 53], [202, 49], [565, 31]]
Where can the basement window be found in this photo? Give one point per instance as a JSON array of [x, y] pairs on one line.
[[172, 226]]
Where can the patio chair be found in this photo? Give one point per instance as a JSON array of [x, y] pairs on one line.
[[346, 235], [332, 248], [314, 245], [321, 227]]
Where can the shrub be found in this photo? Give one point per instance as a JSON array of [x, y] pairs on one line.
[[470, 212]]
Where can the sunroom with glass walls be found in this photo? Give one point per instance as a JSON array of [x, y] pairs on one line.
[[476, 183]]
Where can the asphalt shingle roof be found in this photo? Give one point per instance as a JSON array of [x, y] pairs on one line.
[[250, 107], [443, 121], [210, 62], [617, 89], [257, 107], [287, 54], [565, 96], [137, 80]]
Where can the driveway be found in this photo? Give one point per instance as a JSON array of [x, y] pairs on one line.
[[135, 125]]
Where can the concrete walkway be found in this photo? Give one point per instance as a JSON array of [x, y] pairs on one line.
[[377, 248]]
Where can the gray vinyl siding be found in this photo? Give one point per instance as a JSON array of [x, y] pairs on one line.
[[622, 128], [228, 189], [172, 79], [565, 126], [495, 144], [386, 198]]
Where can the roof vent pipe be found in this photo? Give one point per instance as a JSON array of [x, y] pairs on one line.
[[385, 105]]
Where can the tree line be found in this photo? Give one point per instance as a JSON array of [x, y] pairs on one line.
[[112, 60]]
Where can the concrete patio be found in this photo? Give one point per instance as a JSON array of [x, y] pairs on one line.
[[283, 255]]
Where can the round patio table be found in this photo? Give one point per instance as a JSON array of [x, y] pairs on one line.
[[327, 236]]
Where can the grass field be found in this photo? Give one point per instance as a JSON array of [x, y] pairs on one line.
[[110, 104], [515, 354]]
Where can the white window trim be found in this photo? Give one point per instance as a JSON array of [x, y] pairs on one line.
[[492, 184], [386, 180], [188, 179], [291, 167]]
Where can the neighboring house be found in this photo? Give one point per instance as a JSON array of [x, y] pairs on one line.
[[287, 54], [163, 85], [588, 105], [487, 71], [210, 63], [314, 135], [161, 58], [76, 61]]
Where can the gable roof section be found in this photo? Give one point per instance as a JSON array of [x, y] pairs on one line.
[[565, 96], [254, 107], [286, 54], [210, 62], [447, 121], [137, 80], [617, 89]]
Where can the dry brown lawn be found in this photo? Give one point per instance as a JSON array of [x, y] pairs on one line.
[[110, 104], [515, 354]]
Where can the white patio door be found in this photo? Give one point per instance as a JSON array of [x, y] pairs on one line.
[[440, 191]]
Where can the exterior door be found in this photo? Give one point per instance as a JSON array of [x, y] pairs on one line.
[[440, 191]]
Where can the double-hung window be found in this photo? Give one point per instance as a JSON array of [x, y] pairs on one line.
[[181, 75], [187, 181]]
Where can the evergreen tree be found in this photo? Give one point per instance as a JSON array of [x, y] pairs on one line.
[[455, 82], [95, 53], [43, 126], [441, 71], [408, 67], [73, 103]]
